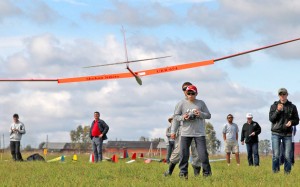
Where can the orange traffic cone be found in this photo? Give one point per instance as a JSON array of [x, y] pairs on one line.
[[133, 156], [92, 158], [115, 159]]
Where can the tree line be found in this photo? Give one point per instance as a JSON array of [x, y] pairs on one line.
[[80, 140]]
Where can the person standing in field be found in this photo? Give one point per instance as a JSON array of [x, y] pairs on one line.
[[98, 133], [17, 129], [282, 149], [230, 136], [175, 134], [283, 115], [170, 142], [249, 135], [192, 113]]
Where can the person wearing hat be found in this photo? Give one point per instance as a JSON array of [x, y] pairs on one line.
[[283, 115], [192, 113], [170, 142], [230, 136], [175, 134], [249, 135]]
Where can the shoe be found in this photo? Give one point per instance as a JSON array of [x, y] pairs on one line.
[[167, 173], [184, 176], [171, 169], [208, 174], [196, 170]]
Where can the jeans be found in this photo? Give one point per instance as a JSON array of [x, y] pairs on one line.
[[170, 149], [15, 150], [97, 148], [282, 148], [252, 150], [287, 142], [202, 154]]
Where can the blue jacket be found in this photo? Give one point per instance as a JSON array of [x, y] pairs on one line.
[[103, 128]]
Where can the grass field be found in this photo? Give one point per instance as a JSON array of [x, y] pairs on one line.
[[83, 173]]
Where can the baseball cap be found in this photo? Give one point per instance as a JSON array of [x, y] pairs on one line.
[[282, 90], [249, 115], [192, 88]]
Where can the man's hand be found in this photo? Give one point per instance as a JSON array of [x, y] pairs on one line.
[[197, 113], [252, 134], [280, 107], [242, 142], [173, 136], [101, 135], [185, 116], [288, 124]]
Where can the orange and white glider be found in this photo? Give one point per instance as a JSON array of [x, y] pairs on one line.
[[149, 72]]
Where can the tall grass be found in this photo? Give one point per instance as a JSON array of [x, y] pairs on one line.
[[83, 173]]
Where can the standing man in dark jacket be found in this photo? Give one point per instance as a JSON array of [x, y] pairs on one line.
[[98, 133], [249, 135], [283, 115]]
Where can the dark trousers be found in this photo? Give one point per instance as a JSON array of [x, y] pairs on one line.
[[170, 149], [15, 150], [252, 150], [293, 153], [185, 153], [97, 148]]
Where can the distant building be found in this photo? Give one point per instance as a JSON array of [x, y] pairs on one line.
[[57, 147], [114, 147], [297, 149], [136, 147]]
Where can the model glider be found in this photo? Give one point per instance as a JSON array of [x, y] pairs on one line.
[[138, 74]]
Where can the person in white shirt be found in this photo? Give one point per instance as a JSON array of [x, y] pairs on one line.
[[17, 129], [230, 136]]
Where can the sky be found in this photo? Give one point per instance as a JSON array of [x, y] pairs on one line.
[[56, 38]]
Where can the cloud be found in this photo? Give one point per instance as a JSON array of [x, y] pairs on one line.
[[72, 2], [8, 9], [272, 20], [130, 110], [42, 13], [241, 61], [144, 15]]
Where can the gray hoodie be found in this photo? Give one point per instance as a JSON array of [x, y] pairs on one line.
[[16, 135], [195, 127]]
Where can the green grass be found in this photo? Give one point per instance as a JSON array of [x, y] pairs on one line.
[[83, 173]]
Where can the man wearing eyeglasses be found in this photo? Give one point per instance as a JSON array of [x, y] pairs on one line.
[[283, 115], [230, 136], [175, 134], [192, 113]]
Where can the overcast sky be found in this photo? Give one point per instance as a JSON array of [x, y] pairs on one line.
[[55, 38]]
